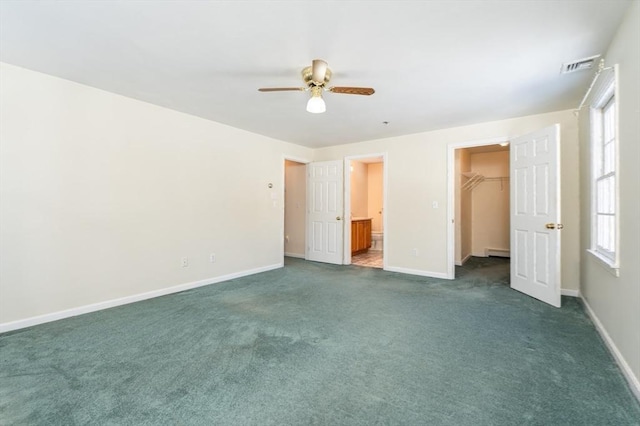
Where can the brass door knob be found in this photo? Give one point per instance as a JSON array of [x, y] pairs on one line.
[[338, 218], [554, 226]]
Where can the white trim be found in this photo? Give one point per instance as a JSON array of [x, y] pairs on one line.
[[430, 274], [346, 196], [451, 167], [569, 292], [605, 263], [295, 159], [67, 313], [464, 260], [632, 380], [297, 255], [609, 87]]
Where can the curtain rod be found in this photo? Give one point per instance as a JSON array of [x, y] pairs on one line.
[[601, 68]]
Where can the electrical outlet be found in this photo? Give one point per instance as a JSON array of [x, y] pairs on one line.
[[212, 258], [185, 262], [415, 252]]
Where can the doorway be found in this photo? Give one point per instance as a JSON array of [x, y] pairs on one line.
[[534, 214], [295, 195], [364, 202], [482, 203]]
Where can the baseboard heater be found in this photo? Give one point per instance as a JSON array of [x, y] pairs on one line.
[[497, 252]]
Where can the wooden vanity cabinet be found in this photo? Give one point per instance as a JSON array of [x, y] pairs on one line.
[[360, 235]]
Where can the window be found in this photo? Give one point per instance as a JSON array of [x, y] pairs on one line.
[[604, 193]]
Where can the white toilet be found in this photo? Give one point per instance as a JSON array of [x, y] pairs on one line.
[[376, 240]]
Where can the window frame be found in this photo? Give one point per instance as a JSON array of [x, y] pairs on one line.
[[606, 97]]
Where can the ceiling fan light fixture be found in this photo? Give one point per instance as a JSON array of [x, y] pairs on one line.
[[316, 104]]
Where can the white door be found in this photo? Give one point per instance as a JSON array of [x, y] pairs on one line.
[[535, 213], [325, 195]]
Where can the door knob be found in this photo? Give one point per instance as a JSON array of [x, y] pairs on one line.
[[337, 217], [554, 226]]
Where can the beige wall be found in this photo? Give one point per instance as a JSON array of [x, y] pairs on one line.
[[295, 184], [412, 187], [102, 196], [375, 199], [359, 191], [616, 300], [490, 203], [108, 194], [144, 186]]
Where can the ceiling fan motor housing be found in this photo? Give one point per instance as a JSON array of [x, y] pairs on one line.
[[307, 76]]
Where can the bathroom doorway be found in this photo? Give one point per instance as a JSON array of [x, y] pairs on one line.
[[364, 211]]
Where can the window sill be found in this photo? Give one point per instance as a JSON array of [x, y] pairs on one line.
[[605, 263]]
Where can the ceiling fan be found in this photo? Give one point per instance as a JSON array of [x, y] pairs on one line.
[[316, 77]]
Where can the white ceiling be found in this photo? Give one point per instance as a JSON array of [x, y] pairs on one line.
[[433, 64]]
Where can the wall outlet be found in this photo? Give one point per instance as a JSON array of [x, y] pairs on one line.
[[212, 258], [414, 252], [185, 262], [434, 205]]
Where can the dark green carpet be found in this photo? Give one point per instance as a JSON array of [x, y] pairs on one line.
[[320, 344]]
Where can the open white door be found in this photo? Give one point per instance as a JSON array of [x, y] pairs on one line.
[[325, 199], [535, 213]]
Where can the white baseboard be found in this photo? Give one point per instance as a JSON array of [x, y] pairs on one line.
[[417, 272], [569, 292], [54, 316], [298, 255], [634, 382], [464, 259]]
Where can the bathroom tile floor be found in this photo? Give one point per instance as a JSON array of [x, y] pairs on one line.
[[371, 259]]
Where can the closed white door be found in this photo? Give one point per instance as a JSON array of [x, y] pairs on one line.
[[535, 215], [325, 195]]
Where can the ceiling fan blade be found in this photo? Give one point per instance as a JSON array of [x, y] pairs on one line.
[[282, 89], [319, 70], [353, 90]]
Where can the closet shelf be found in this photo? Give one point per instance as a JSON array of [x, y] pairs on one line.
[[474, 179]]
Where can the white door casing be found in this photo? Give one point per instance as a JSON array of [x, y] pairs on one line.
[[325, 200], [535, 214]]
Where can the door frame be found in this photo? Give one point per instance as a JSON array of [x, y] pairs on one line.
[[282, 197], [347, 205], [451, 180]]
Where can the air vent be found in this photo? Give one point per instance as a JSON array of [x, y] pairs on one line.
[[579, 65]]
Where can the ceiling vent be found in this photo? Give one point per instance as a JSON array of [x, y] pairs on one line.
[[579, 65]]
